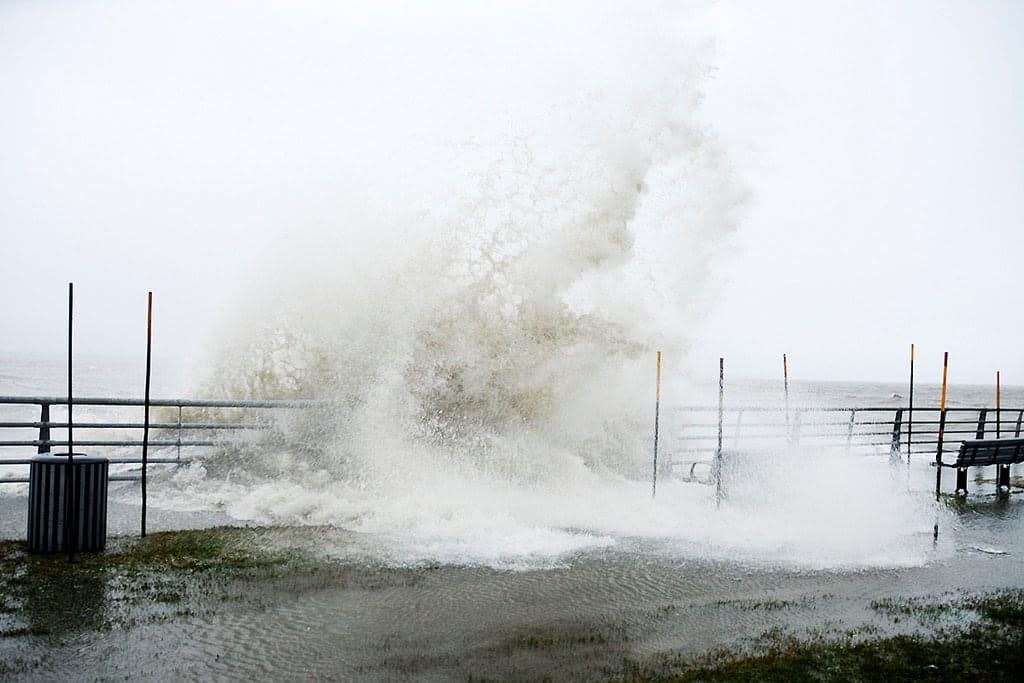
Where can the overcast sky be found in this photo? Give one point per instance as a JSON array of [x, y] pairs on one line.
[[882, 144]]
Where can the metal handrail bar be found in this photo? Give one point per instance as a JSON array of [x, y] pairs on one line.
[[130, 425], [707, 425], [112, 477], [779, 435], [952, 449], [810, 426], [164, 402], [112, 461], [83, 442], [769, 435], [828, 409], [763, 449], [935, 422]]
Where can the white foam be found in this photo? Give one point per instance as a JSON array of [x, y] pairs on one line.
[[835, 512]]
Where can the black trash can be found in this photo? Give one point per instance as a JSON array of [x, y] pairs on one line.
[[47, 490]]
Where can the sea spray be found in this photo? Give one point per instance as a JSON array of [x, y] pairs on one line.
[[480, 306], [526, 262]]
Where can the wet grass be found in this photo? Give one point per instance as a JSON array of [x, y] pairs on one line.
[[1006, 608], [924, 610], [179, 575], [565, 636], [989, 644], [165, 575], [47, 602], [773, 605]]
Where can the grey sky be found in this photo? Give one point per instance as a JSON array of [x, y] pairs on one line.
[[882, 144]]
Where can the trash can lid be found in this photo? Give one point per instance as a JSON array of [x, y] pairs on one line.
[[59, 458]]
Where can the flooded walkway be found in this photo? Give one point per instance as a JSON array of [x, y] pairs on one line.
[[348, 617]]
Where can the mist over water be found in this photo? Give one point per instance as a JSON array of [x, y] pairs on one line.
[[527, 207]]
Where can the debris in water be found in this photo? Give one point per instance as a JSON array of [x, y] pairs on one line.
[[989, 551]]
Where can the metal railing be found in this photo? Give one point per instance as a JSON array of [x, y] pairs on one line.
[[693, 431], [179, 423]]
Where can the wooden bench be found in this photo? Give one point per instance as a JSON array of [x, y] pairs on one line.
[[981, 453]]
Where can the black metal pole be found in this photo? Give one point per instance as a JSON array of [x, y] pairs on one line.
[[145, 418], [657, 409], [69, 489], [910, 413], [785, 389], [897, 433], [718, 450], [44, 429], [942, 429]]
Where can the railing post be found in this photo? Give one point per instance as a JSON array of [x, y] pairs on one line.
[[849, 430], [1020, 416], [897, 433], [1003, 474], [44, 428], [961, 474], [938, 457], [179, 433]]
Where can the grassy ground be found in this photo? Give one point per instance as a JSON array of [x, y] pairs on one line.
[[986, 639], [165, 575]]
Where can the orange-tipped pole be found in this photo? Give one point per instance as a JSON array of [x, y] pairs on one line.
[[999, 396], [945, 380]]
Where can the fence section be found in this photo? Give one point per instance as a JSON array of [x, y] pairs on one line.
[[113, 427], [693, 431]]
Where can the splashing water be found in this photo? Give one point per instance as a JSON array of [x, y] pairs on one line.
[[483, 300]]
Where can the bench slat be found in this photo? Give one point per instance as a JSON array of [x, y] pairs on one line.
[[982, 452]]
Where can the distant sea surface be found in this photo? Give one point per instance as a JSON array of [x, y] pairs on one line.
[[46, 375]]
